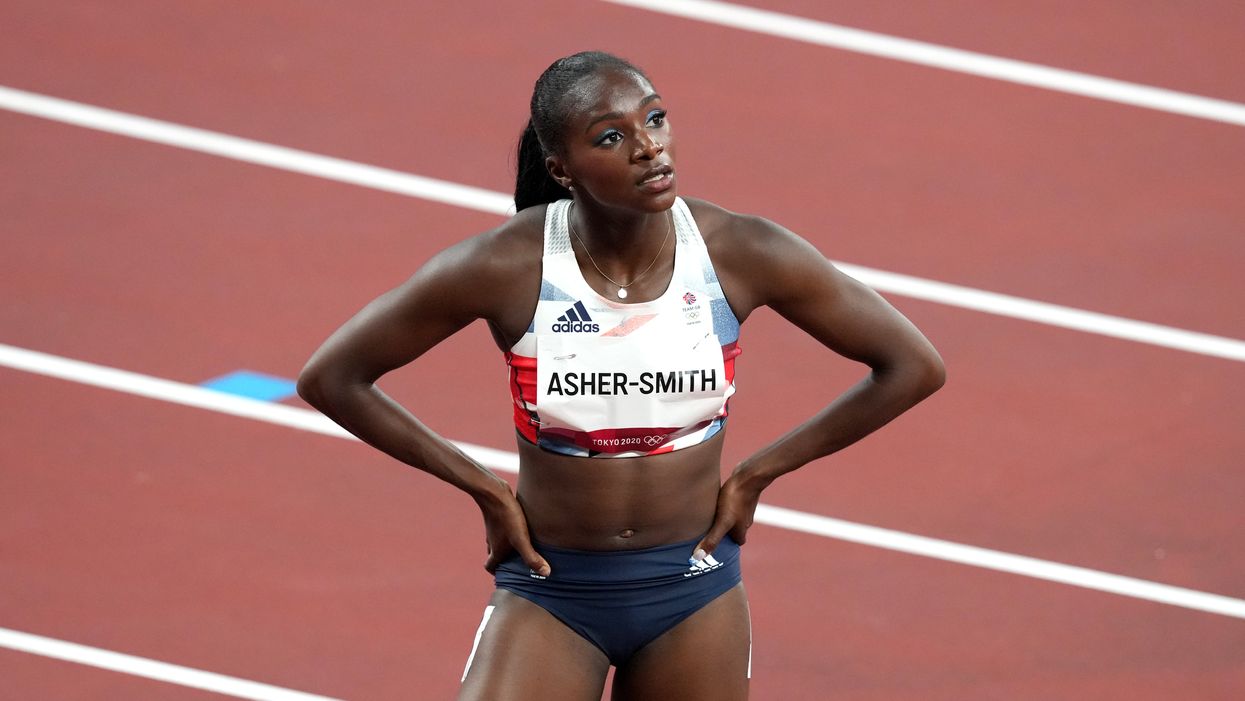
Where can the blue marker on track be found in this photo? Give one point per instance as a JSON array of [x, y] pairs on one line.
[[254, 385]]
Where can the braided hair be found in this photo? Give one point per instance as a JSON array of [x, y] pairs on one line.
[[543, 135]]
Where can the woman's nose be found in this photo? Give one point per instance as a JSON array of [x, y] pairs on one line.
[[648, 148]]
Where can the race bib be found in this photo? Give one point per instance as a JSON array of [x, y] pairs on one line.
[[610, 395]]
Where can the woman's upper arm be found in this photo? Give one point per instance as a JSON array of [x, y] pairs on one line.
[[789, 275], [454, 288]]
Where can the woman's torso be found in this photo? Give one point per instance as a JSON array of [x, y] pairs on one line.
[[633, 502]]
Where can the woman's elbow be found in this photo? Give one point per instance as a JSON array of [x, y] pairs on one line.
[[913, 376], [317, 384], [932, 375], [323, 384], [310, 385]]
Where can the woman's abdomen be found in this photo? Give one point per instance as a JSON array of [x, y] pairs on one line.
[[619, 504]]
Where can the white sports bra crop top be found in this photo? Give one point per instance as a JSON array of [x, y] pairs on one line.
[[594, 377]]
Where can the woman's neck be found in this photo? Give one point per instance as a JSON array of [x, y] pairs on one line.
[[623, 237]]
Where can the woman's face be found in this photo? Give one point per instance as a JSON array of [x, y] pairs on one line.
[[618, 149]]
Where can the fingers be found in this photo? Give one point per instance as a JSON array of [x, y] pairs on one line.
[[711, 539], [506, 533], [532, 559], [740, 532]]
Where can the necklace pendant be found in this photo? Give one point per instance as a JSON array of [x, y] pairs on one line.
[[622, 293]]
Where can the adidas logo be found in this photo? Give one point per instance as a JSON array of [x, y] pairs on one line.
[[697, 567], [576, 319]]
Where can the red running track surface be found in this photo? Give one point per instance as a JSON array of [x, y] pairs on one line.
[[313, 563]]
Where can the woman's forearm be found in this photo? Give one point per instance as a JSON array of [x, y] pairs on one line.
[[376, 419], [861, 410]]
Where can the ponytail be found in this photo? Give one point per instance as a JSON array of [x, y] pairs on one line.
[[533, 184]]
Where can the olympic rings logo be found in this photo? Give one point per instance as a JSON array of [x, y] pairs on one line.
[[651, 441]]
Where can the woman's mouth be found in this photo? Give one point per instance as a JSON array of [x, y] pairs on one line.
[[658, 180]]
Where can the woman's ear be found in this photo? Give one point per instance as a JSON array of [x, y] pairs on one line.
[[558, 172]]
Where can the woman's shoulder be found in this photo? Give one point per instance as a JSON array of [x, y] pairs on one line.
[[494, 275], [719, 225], [732, 236], [500, 258], [524, 231], [509, 248], [752, 255]]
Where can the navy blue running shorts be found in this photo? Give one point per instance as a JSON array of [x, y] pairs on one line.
[[621, 600]]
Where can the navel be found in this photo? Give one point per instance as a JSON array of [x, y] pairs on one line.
[[626, 533]]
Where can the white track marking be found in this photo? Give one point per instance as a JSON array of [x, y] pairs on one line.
[[151, 669], [203, 398], [250, 151], [475, 645], [1000, 561], [191, 395], [1046, 313], [227, 146], [922, 53]]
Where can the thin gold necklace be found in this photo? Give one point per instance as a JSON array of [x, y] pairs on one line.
[[622, 289]]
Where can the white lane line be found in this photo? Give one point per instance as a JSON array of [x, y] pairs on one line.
[[468, 197], [251, 151], [1046, 313], [203, 398], [999, 561], [191, 395], [151, 669], [936, 56]]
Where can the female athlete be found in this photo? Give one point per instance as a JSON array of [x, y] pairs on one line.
[[617, 306]]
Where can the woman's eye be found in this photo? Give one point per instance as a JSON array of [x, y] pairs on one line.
[[609, 137], [657, 118]]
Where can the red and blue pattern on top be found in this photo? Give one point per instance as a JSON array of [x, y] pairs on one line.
[[594, 377]]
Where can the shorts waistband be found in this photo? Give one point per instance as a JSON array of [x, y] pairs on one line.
[[669, 560], [542, 547]]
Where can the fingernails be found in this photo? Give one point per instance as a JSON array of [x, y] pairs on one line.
[[699, 554]]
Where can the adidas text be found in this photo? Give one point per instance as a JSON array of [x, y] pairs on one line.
[[577, 326], [576, 320]]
